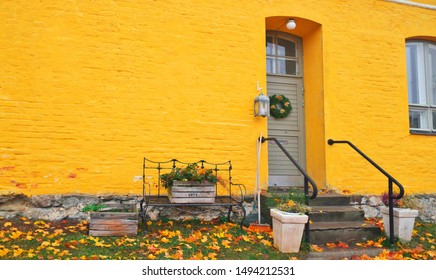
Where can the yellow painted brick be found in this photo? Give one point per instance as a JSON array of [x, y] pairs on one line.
[[91, 88]]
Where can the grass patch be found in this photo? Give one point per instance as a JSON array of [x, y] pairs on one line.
[[21, 238]]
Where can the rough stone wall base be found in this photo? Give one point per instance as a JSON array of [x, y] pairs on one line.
[[60, 207], [370, 204]]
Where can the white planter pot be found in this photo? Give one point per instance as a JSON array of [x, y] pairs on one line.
[[288, 230], [404, 221]]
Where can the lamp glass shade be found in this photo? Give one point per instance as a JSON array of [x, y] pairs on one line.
[[261, 106], [291, 24]]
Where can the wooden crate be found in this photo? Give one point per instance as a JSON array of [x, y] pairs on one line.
[[192, 192], [113, 223]]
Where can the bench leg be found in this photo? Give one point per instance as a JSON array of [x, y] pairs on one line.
[[244, 214]]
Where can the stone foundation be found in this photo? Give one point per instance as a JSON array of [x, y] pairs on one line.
[[60, 207], [370, 204]]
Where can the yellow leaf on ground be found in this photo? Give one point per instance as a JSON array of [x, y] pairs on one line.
[[151, 257], [15, 234], [212, 256], [226, 243], [164, 240], [266, 242], [7, 224], [18, 252], [45, 244], [30, 253], [4, 252], [246, 238], [316, 248]]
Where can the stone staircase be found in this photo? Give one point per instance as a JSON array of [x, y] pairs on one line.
[[334, 219]]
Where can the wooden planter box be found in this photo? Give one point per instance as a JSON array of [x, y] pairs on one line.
[[192, 192], [113, 224]]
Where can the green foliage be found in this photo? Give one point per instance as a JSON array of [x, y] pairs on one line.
[[192, 172], [280, 106], [93, 208], [294, 201]]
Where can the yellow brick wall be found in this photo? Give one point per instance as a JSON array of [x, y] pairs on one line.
[[87, 89]]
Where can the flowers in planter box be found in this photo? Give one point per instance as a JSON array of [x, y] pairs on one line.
[[406, 202], [293, 207], [294, 202], [192, 172]]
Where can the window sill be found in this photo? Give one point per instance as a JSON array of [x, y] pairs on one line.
[[428, 133]]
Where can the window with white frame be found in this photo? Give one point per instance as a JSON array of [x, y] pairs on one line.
[[421, 79]]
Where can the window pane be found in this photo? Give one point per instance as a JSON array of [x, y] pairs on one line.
[[418, 119], [270, 47], [281, 66], [285, 48], [434, 120], [291, 67], [285, 66], [432, 74], [416, 73], [270, 65]]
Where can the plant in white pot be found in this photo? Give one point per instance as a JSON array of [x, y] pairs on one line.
[[405, 212], [289, 220]]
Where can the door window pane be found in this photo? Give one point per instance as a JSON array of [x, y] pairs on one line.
[[270, 47], [270, 65], [281, 55], [285, 48], [418, 119]]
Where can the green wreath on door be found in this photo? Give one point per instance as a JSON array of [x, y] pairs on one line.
[[280, 106]]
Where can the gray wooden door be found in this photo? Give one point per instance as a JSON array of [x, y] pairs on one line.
[[289, 131]]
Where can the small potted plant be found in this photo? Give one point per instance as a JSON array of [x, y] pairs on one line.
[[289, 219], [191, 184], [405, 212]]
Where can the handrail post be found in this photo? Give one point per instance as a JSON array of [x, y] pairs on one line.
[[391, 212]]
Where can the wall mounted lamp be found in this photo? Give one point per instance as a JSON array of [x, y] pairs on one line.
[[261, 103], [261, 106], [291, 24]]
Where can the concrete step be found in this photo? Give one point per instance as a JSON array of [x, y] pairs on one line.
[[343, 253], [330, 199], [336, 214], [357, 231]]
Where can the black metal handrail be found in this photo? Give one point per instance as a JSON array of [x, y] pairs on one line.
[[307, 179], [391, 180]]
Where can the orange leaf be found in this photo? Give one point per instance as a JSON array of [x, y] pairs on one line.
[[331, 245], [342, 244]]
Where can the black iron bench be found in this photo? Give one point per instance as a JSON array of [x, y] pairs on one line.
[[231, 196]]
